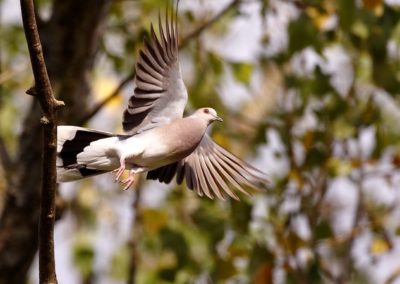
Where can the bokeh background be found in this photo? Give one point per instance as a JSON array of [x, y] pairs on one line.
[[308, 90]]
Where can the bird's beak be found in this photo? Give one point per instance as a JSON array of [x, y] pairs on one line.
[[217, 118]]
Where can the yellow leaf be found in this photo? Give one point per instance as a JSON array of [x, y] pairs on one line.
[[342, 129], [319, 19], [87, 197], [167, 259], [295, 175], [102, 88], [308, 140], [221, 140], [153, 220], [375, 5], [379, 246], [339, 167]]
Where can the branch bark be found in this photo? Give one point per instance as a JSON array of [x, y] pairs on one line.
[[70, 40], [6, 159], [49, 105], [135, 236]]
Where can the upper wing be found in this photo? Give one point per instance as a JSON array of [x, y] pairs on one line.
[[160, 94], [211, 170]]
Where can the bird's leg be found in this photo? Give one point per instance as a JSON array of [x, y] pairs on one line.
[[130, 180], [118, 172]]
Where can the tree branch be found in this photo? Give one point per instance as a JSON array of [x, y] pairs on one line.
[[185, 41], [49, 105], [6, 160], [135, 235], [393, 276], [107, 99], [196, 33]]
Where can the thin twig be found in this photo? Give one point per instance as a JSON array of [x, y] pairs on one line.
[[5, 157], [107, 99], [135, 235], [196, 33], [44, 94], [185, 41], [6, 160], [359, 214], [393, 276]]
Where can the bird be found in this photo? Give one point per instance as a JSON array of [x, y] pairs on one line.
[[158, 139]]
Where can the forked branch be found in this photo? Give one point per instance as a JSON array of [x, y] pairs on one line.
[[43, 92]]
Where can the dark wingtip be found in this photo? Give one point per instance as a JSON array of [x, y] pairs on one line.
[[176, 19]]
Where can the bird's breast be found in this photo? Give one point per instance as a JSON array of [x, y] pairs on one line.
[[170, 143]]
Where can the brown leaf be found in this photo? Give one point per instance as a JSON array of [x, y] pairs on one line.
[[372, 4], [264, 275]]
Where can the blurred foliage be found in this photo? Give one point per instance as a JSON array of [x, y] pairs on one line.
[[319, 110]]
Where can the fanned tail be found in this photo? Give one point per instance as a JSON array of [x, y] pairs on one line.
[[72, 141]]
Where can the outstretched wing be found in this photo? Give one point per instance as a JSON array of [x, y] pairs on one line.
[[212, 171], [160, 94]]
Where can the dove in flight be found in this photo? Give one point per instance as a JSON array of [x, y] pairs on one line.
[[158, 139]]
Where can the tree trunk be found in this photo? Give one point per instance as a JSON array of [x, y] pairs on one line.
[[70, 41]]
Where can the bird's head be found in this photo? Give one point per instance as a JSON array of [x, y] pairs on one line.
[[208, 114]]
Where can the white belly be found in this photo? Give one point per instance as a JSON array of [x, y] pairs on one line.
[[141, 151], [151, 151], [163, 145]]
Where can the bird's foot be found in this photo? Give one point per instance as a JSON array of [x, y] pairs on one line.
[[118, 172], [128, 181]]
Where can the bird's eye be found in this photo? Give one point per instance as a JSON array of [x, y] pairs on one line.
[[206, 110]]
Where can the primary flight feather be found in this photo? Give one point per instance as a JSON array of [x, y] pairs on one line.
[[159, 140]]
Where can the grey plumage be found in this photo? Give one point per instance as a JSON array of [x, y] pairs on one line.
[[160, 141], [160, 94], [211, 170]]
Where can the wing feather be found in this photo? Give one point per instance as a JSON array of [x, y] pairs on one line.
[[210, 177], [158, 50], [180, 172], [147, 78], [158, 78], [211, 170], [143, 66], [219, 179], [198, 172], [188, 177], [228, 176]]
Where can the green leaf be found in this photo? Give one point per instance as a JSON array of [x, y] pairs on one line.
[[216, 63], [241, 215], [316, 156], [225, 269], [83, 255], [120, 263], [242, 72], [347, 11], [302, 34], [323, 231], [342, 129], [337, 167], [175, 241], [260, 255], [207, 220]]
